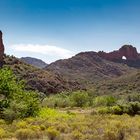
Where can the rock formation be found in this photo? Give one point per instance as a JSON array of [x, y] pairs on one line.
[[1, 49], [127, 51], [127, 54]]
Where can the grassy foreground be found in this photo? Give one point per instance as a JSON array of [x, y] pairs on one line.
[[78, 124], [80, 115]]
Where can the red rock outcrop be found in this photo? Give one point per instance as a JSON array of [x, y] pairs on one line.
[[127, 51], [1, 49]]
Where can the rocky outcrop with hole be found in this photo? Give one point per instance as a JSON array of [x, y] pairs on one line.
[[132, 57], [127, 51]]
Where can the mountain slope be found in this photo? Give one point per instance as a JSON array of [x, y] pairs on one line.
[[38, 79], [88, 68], [126, 84], [34, 61]]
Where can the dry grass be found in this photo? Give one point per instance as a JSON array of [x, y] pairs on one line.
[[73, 125]]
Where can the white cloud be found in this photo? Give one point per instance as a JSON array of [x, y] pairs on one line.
[[45, 50]]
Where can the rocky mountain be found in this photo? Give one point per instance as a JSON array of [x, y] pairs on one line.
[[36, 78], [34, 61], [88, 68], [1, 49], [127, 54], [39, 79], [105, 72]]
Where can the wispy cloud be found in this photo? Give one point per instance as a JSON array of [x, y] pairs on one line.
[[45, 50]]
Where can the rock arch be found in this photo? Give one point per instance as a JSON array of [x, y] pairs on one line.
[[128, 51]]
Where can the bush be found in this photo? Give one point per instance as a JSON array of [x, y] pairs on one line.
[[104, 101], [74, 99], [59, 100], [116, 110], [103, 110], [25, 105], [80, 99], [131, 108], [21, 124]]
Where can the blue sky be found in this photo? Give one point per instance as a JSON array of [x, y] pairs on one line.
[[57, 29]]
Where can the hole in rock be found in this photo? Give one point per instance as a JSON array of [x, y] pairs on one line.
[[124, 58]]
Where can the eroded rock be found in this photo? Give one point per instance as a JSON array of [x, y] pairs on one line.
[[1, 49], [127, 51]]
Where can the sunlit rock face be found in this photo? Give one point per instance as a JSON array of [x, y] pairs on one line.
[[127, 51], [1, 49]]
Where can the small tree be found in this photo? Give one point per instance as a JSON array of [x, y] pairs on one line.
[[15, 101]]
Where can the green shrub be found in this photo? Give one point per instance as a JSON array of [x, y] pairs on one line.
[[21, 124], [104, 101], [25, 105], [57, 101], [116, 110], [103, 110], [80, 99], [131, 108], [75, 99]]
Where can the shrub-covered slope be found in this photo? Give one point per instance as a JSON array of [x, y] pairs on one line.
[[126, 84], [38, 79], [88, 68]]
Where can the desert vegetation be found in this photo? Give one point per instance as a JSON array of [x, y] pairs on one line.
[[79, 115]]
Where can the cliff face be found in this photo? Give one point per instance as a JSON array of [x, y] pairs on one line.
[[127, 51], [1, 49]]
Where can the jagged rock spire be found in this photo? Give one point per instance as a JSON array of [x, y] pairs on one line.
[[1, 49]]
